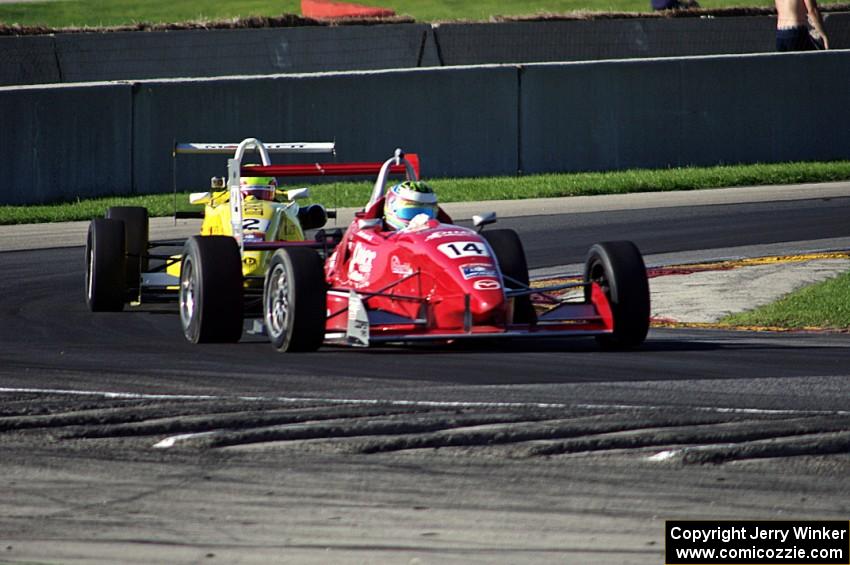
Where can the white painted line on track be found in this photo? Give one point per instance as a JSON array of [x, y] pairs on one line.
[[664, 455], [423, 403], [171, 441], [668, 454], [105, 394]]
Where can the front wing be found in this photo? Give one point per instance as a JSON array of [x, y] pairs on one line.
[[567, 319]]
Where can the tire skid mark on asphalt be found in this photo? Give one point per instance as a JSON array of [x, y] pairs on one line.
[[685, 435], [748, 432]]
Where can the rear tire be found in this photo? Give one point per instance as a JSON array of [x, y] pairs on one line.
[[618, 268], [510, 255], [135, 220], [211, 292], [294, 300], [105, 259]]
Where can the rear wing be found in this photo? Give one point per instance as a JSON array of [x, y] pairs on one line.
[[398, 164], [231, 148], [334, 169]]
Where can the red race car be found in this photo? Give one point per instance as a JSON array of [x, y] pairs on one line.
[[416, 276]]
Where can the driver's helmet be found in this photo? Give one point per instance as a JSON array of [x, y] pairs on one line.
[[261, 188], [406, 200]]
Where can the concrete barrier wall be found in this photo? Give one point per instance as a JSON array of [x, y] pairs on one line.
[[196, 53], [558, 41], [84, 57], [694, 111], [838, 30], [463, 121], [524, 42], [28, 60], [82, 141], [65, 143], [81, 57]]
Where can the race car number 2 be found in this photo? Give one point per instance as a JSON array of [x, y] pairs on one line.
[[251, 224], [458, 249]]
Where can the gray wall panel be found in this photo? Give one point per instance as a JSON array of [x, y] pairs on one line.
[[838, 30], [527, 42], [677, 112], [66, 143], [210, 53], [559, 41], [443, 114], [28, 60]]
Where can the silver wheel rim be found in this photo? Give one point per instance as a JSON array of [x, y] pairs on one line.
[[187, 292], [598, 275], [277, 302]]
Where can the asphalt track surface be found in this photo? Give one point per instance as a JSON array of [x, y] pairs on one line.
[[550, 451]]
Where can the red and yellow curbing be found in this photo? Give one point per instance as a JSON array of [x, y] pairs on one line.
[[686, 269]]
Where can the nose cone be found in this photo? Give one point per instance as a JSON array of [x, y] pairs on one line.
[[487, 301], [252, 263], [467, 281], [481, 303]]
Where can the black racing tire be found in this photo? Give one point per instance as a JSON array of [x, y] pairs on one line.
[[312, 217], [510, 256], [135, 220], [618, 268], [294, 300], [211, 293], [105, 258]]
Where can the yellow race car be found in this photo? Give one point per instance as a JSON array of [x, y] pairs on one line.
[[216, 281]]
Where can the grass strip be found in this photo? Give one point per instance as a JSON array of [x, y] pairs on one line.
[[824, 305], [352, 194]]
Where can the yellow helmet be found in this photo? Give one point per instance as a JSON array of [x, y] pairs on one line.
[[261, 188]]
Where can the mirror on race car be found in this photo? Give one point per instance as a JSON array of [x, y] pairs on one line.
[[297, 193], [370, 223], [481, 220], [199, 198]]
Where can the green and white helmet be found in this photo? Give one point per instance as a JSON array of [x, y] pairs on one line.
[[408, 199]]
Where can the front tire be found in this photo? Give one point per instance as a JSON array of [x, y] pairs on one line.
[[105, 258], [510, 255], [618, 268], [211, 293], [294, 300]]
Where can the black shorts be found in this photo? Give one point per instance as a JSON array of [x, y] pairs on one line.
[[794, 39]]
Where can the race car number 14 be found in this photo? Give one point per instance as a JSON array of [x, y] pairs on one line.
[[458, 249]]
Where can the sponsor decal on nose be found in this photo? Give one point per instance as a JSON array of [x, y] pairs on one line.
[[487, 285], [477, 271]]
